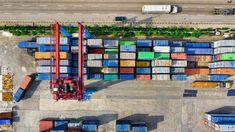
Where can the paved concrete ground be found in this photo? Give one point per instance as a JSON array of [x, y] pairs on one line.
[[159, 103], [195, 13]]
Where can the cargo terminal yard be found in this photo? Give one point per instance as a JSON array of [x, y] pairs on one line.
[[117, 66]]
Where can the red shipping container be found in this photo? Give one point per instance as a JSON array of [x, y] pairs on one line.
[[179, 56], [126, 70], [201, 71], [143, 77], [96, 51], [74, 130], [26, 81], [45, 125]]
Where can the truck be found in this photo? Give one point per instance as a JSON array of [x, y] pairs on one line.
[[212, 84], [222, 11], [160, 9]]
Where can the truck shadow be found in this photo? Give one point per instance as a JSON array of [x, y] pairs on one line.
[[223, 110], [31, 89]]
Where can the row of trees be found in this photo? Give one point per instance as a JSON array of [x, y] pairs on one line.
[[115, 31]]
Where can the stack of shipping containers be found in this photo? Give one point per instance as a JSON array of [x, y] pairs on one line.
[[94, 58], [143, 62], [223, 60], [110, 61], [43, 58], [161, 63], [127, 59], [179, 61]]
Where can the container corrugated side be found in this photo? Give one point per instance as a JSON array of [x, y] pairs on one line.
[[126, 70], [110, 43], [107, 70], [95, 56], [160, 43], [47, 55], [94, 63], [74, 49], [143, 70], [197, 45], [229, 71], [144, 43], [179, 63], [145, 55], [179, 77], [128, 48], [48, 62], [110, 56], [164, 49], [110, 63], [46, 69], [218, 77], [223, 43], [160, 69], [222, 64], [127, 42], [127, 63], [177, 70], [47, 40], [177, 49], [127, 56], [201, 58], [199, 51], [161, 77], [224, 50], [143, 77], [28, 45], [95, 42], [161, 62], [161, 56], [110, 77], [126, 76], [142, 63]]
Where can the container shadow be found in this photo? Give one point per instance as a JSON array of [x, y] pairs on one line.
[[151, 121], [16, 117], [99, 85], [223, 110], [31, 89]]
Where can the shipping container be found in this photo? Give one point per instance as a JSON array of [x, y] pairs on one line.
[[223, 43], [47, 76], [19, 94], [48, 48], [48, 55], [160, 43], [144, 43], [224, 127], [110, 56], [123, 126], [75, 58], [226, 56], [161, 77], [75, 70], [110, 63], [218, 77], [193, 64], [143, 70], [1, 81], [160, 56], [95, 42], [96, 51], [145, 55], [94, 70], [95, 56], [74, 130], [205, 84], [201, 58], [110, 43], [199, 51], [179, 63], [45, 125], [6, 96], [6, 115], [5, 122], [74, 49], [222, 64], [127, 63], [144, 49], [178, 56], [28, 45], [229, 71], [142, 63], [47, 69], [61, 123], [126, 77], [58, 129], [143, 77], [179, 77], [90, 126], [193, 71], [26, 82], [94, 63], [197, 45], [127, 42], [107, 70], [160, 69], [47, 40], [177, 70], [224, 50], [95, 76], [176, 49], [110, 77], [48, 62], [161, 62], [127, 56], [161, 49], [176, 44], [139, 127], [75, 123], [126, 70], [111, 51], [128, 48]]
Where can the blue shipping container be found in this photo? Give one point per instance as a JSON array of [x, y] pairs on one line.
[[123, 128], [110, 63], [139, 129], [199, 51], [144, 43], [143, 70], [176, 44], [58, 129], [47, 76], [95, 76], [128, 48], [160, 43], [231, 92], [87, 94], [28, 45], [218, 77], [75, 70], [61, 123], [197, 45], [5, 121], [19, 94], [110, 43], [179, 77], [220, 119], [177, 70], [46, 48], [90, 125], [126, 77]]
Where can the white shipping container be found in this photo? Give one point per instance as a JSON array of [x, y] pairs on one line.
[[224, 50], [161, 77], [130, 56], [1, 82], [161, 70], [111, 56], [46, 69], [95, 56], [1, 96], [161, 48], [177, 63], [225, 127], [177, 49], [94, 42], [208, 117], [74, 49], [109, 70], [94, 63], [223, 43], [47, 40], [161, 63]]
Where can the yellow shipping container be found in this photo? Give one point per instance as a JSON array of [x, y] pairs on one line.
[[127, 63], [7, 96], [7, 82], [47, 55], [203, 84], [142, 64]]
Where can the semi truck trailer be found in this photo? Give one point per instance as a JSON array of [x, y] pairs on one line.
[[159, 9]]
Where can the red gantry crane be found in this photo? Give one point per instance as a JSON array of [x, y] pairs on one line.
[[70, 87]]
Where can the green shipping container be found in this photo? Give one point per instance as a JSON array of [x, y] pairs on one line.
[[127, 42], [111, 51], [160, 56], [146, 55], [110, 77], [227, 56]]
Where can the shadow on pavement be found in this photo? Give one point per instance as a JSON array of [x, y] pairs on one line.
[[99, 85], [31, 89], [223, 110]]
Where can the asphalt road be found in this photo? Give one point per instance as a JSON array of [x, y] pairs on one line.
[[199, 11]]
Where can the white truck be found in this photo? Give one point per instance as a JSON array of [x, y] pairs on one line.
[[159, 9]]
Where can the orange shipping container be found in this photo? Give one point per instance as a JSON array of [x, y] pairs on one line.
[[229, 71], [127, 63], [47, 55], [201, 84], [26, 81], [143, 77], [201, 58], [178, 56], [201, 71]]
